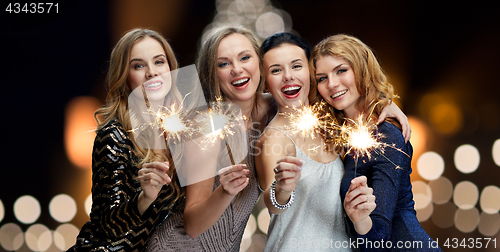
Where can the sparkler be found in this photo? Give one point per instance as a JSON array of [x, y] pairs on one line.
[[356, 136], [307, 120], [218, 122], [362, 138]]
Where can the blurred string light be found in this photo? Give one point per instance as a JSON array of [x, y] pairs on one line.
[[38, 237], [2, 211], [489, 224], [11, 237], [422, 194], [257, 15], [430, 165], [88, 204], [65, 236], [250, 228], [263, 220], [79, 130], [466, 220], [490, 199], [27, 209], [442, 190], [465, 195], [467, 158], [444, 214], [62, 208], [496, 152]]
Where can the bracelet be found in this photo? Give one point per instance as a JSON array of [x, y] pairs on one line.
[[272, 197]]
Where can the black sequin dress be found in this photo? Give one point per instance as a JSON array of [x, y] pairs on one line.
[[115, 222]]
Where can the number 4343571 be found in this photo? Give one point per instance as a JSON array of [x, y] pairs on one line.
[[32, 8]]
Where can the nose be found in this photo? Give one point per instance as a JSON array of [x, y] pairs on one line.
[[151, 73], [287, 76], [237, 69], [333, 82]]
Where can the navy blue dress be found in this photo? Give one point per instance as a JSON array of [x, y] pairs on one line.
[[395, 225]]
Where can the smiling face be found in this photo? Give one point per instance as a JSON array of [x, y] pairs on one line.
[[149, 67], [237, 68], [287, 75], [337, 84]]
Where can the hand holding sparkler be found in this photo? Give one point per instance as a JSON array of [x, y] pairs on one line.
[[152, 177], [287, 173], [234, 178], [359, 202]]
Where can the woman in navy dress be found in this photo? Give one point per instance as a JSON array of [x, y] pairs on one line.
[[348, 77]]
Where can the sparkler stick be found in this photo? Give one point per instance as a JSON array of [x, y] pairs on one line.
[[221, 117]]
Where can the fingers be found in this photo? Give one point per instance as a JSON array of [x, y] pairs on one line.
[[357, 182], [162, 166], [382, 117], [234, 178], [293, 163], [153, 176]]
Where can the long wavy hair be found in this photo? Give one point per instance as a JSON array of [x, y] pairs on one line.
[[207, 63], [371, 82], [116, 106]]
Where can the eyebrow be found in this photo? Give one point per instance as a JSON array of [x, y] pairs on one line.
[[239, 54], [293, 61], [335, 68], [157, 56]]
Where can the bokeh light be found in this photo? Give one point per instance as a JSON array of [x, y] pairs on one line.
[[467, 158], [2, 211], [422, 194], [62, 208], [442, 190], [79, 130], [496, 152], [443, 215], [27, 209], [88, 204], [425, 213], [419, 138], [490, 199], [465, 195], [11, 237], [263, 220], [430, 165], [38, 237], [489, 224], [250, 228], [446, 117], [466, 220], [65, 236], [269, 23]]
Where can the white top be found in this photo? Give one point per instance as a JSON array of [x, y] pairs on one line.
[[315, 220]]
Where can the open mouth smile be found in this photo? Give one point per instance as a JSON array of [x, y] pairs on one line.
[[291, 91]]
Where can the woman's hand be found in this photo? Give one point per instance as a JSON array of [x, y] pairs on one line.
[[234, 178], [395, 112], [287, 173], [359, 202], [152, 177]]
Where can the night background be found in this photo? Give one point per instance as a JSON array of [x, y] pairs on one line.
[[443, 59]]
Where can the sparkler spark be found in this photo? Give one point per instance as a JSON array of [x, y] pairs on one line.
[[306, 120], [172, 122], [217, 121]]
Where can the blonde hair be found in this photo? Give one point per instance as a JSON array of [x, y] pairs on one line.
[[207, 62], [116, 105], [371, 82]]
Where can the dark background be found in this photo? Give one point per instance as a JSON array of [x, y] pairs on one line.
[[425, 47]]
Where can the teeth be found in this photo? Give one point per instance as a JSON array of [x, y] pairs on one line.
[[240, 81], [290, 88], [338, 94], [153, 85]]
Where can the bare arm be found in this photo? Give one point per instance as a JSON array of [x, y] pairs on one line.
[[277, 164], [199, 198]]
